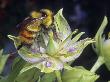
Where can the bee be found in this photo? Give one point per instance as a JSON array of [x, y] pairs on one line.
[[32, 25]]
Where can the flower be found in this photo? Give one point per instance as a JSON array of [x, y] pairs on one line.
[[53, 49], [102, 45]]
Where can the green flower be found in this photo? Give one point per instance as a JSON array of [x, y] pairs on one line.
[[102, 45], [106, 53], [53, 49]]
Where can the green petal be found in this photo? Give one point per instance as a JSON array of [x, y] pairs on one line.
[[98, 36], [55, 65], [76, 38], [66, 40], [61, 25], [52, 46], [78, 48], [29, 56], [16, 40], [24, 52]]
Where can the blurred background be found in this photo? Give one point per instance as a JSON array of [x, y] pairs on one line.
[[86, 15]]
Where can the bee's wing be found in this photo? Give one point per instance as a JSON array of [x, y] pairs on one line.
[[24, 22]]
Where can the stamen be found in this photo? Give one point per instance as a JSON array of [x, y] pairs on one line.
[[48, 64]]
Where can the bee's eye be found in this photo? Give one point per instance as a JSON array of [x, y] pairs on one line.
[[44, 14]]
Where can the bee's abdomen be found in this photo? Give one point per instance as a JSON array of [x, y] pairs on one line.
[[27, 37]]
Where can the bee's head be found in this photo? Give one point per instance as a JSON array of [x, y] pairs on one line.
[[46, 12], [47, 16]]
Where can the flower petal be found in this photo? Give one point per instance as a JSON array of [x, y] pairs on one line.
[[61, 25], [50, 64], [52, 46], [72, 52], [25, 53], [16, 40], [29, 57]]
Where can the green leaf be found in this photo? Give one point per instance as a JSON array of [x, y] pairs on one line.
[[16, 60], [58, 75], [31, 75], [3, 80], [26, 68], [15, 71], [79, 74], [48, 77], [3, 60]]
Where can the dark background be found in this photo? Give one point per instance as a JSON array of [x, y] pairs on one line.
[[86, 15]]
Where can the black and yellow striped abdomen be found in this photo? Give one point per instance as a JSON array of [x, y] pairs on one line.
[[29, 29]]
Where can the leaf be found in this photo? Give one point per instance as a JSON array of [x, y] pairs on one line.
[[78, 74], [3, 60], [31, 75], [16, 60], [26, 68], [48, 77], [16, 69], [34, 74]]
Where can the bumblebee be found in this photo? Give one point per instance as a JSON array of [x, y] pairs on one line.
[[32, 25]]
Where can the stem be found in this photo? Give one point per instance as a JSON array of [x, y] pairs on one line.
[[58, 75], [99, 62]]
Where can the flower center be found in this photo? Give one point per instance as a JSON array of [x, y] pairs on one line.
[[48, 64], [71, 49]]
